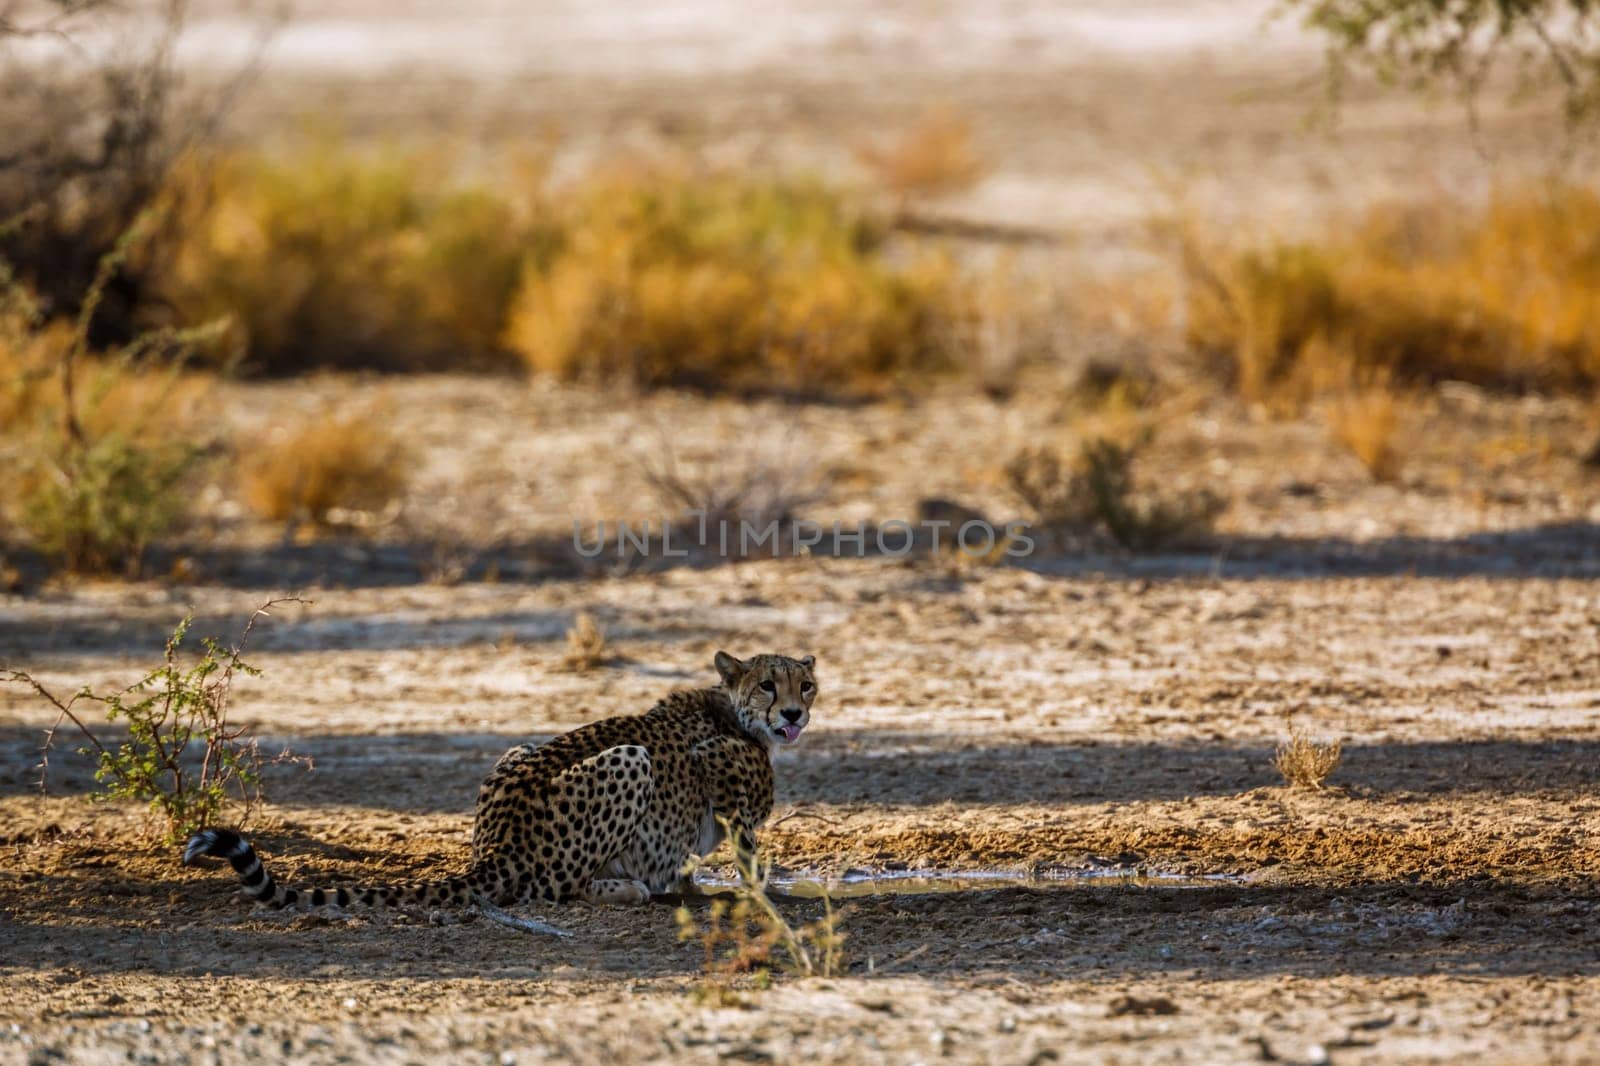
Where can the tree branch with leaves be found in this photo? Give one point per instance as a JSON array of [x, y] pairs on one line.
[[1465, 45]]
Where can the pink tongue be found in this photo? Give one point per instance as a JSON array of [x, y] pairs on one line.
[[790, 733]]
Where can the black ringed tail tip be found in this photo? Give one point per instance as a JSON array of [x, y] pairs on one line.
[[221, 843], [259, 884], [229, 845]]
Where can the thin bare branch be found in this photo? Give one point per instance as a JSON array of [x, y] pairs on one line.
[[526, 925], [64, 709]]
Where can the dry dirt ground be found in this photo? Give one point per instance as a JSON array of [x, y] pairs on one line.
[[1071, 714], [1074, 713]]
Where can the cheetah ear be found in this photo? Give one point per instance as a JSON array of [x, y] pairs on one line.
[[808, 661], [730, 668]]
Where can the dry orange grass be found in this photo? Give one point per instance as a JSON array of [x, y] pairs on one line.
[[657, 275], [28, 365], [1368, 421], [340, 258], [730, 283], [935, 157], [1505, 295], [335, 471]]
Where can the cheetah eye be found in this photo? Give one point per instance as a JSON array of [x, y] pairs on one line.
[[806, 688], [768, 686]]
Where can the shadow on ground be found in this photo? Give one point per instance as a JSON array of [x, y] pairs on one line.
[[1553, 550], [440, 772], [186, 928]]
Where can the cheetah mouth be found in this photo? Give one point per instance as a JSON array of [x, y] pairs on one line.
[[788, 733]]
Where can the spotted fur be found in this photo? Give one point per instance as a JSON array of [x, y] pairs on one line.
[[609, 812]]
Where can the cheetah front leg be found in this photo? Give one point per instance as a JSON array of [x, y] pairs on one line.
[[738, 782], [717, 827], [742, 835]]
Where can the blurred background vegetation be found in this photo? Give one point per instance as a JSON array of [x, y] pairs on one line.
[[154, 244]]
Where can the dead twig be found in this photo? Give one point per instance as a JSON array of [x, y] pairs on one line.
[[504, 917], [805, 814], [64, 712], [915, 953]]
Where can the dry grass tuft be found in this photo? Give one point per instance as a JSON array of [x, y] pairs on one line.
[[1368, 421], [586, 645], [1094, 492], [344, 259], [1506, 295], [1305, 763], [731, 284], [1005, 326], [332, 472], [935, 157], [767, 481]]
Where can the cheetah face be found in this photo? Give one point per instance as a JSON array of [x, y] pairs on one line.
[[771, 694]]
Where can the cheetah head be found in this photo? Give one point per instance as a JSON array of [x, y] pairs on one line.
[[771, 694]]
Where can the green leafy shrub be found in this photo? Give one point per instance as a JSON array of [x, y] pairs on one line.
[[182, 757], [97, 506], [101, 444]]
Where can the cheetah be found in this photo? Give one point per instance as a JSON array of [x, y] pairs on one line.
[[609, 812]]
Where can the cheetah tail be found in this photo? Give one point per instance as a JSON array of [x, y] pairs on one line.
[[259, 885]]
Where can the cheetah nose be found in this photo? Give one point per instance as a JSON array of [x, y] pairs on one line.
[[791, 714]]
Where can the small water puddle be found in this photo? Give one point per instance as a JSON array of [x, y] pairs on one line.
[[855, 884]]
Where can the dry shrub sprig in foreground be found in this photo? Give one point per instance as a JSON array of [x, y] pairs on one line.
[[747, 932], [1305, 763], [336, 471]]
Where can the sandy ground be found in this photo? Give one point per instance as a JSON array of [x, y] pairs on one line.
[[1071, 714]]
